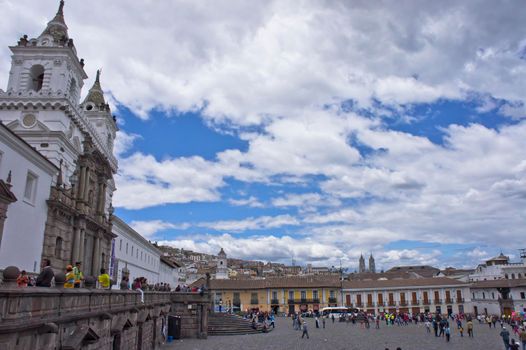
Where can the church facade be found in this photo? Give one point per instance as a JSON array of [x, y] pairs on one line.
[[42, 106]]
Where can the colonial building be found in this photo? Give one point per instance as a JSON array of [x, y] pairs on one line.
[[134, 255], [500, 267], [499, 297], [25, 183], [42, 106], [284, 294], [441, 295]]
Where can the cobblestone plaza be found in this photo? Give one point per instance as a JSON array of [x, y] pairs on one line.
[[340, 336]]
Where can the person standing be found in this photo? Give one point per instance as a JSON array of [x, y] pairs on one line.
[[332, 317], [505, 338], [522, 336], [448, 333], [317, 322], [104, 279], [470, 329], [46, 275], [323, 321], [23, 280], [70, 277], [305, 330], [79, 276]]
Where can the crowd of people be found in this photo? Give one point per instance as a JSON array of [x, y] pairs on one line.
[[434, 324]]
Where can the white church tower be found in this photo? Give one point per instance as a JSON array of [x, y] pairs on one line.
[[222, 266], [41, 103], [42, 106]]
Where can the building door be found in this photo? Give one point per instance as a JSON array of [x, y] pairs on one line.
[[369, 300], [402, 299], [348, 300], [437, 297], [476, 310], [413, 298], [359, 300], [448, 297], [426, 298], [380, 299], [459, 296], [391, 299]]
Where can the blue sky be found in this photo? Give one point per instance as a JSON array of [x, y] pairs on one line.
[[315, 131]]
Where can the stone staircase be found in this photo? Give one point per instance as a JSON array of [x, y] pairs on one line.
[[225, 324]]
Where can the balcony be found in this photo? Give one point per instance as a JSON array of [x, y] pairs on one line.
[[415, 302], [449, 301], [426, 302], [358, 304], [391, 303], [332, 300], [402, 303], [438, 301], [303, 301], [370, 304], [460, 300], [274, 301], [380, 303]]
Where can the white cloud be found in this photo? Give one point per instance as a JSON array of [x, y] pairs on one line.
[[250, 202], [253, 223], [150, 228]]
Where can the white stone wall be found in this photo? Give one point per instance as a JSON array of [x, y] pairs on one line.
[[24, 227], [134, 252]]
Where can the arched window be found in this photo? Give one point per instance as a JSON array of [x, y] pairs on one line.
[[36, 76], [58, 248], [512, 276]]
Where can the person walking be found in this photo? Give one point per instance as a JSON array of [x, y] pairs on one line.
[[448, 333], [470, 329], [428, 326], [332, 317], [305, 330], [46, 275], [323, 321], [505, 337], [522, 337], [317, 322]]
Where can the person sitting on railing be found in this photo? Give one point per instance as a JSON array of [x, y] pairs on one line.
[[22, 280]]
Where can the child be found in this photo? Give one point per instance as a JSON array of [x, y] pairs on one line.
[[461, 330]]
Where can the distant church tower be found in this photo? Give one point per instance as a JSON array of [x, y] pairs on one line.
[[222, 266], [372, 266], [361, 267]]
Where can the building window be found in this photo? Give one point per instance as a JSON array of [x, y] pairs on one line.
[[254, 298], [331, 294], [36, 76], [314, 294], [512, 276], [492, 295], [523, 295], [120, 244], [291, 295], [126, 247], [58, 248], [303, 295], [132, 251], [31, 187], [483, 295], [274, 295], [506, 276]]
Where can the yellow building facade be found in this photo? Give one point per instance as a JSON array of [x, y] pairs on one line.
[[283, 295]]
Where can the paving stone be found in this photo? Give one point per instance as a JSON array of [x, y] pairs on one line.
[[349, 337]]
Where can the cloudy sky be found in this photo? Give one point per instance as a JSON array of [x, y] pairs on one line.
[[313, 130]]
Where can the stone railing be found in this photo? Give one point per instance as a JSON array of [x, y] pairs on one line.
[[64, 318]]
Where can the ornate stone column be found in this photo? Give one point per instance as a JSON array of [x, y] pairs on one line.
[[82, 177], [81, 246], [96, 255], [76, 246]]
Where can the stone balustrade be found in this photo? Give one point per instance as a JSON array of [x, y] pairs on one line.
[[87, 318]]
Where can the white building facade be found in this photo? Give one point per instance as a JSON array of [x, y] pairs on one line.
[[420, 295], [30, 179], [135, 254], [500, 267], [499, 297], [42, 106]]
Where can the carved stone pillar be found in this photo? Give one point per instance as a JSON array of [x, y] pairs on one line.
[[86, 186], [82, 178], [96, 255], [76, 246], [81, 245]]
